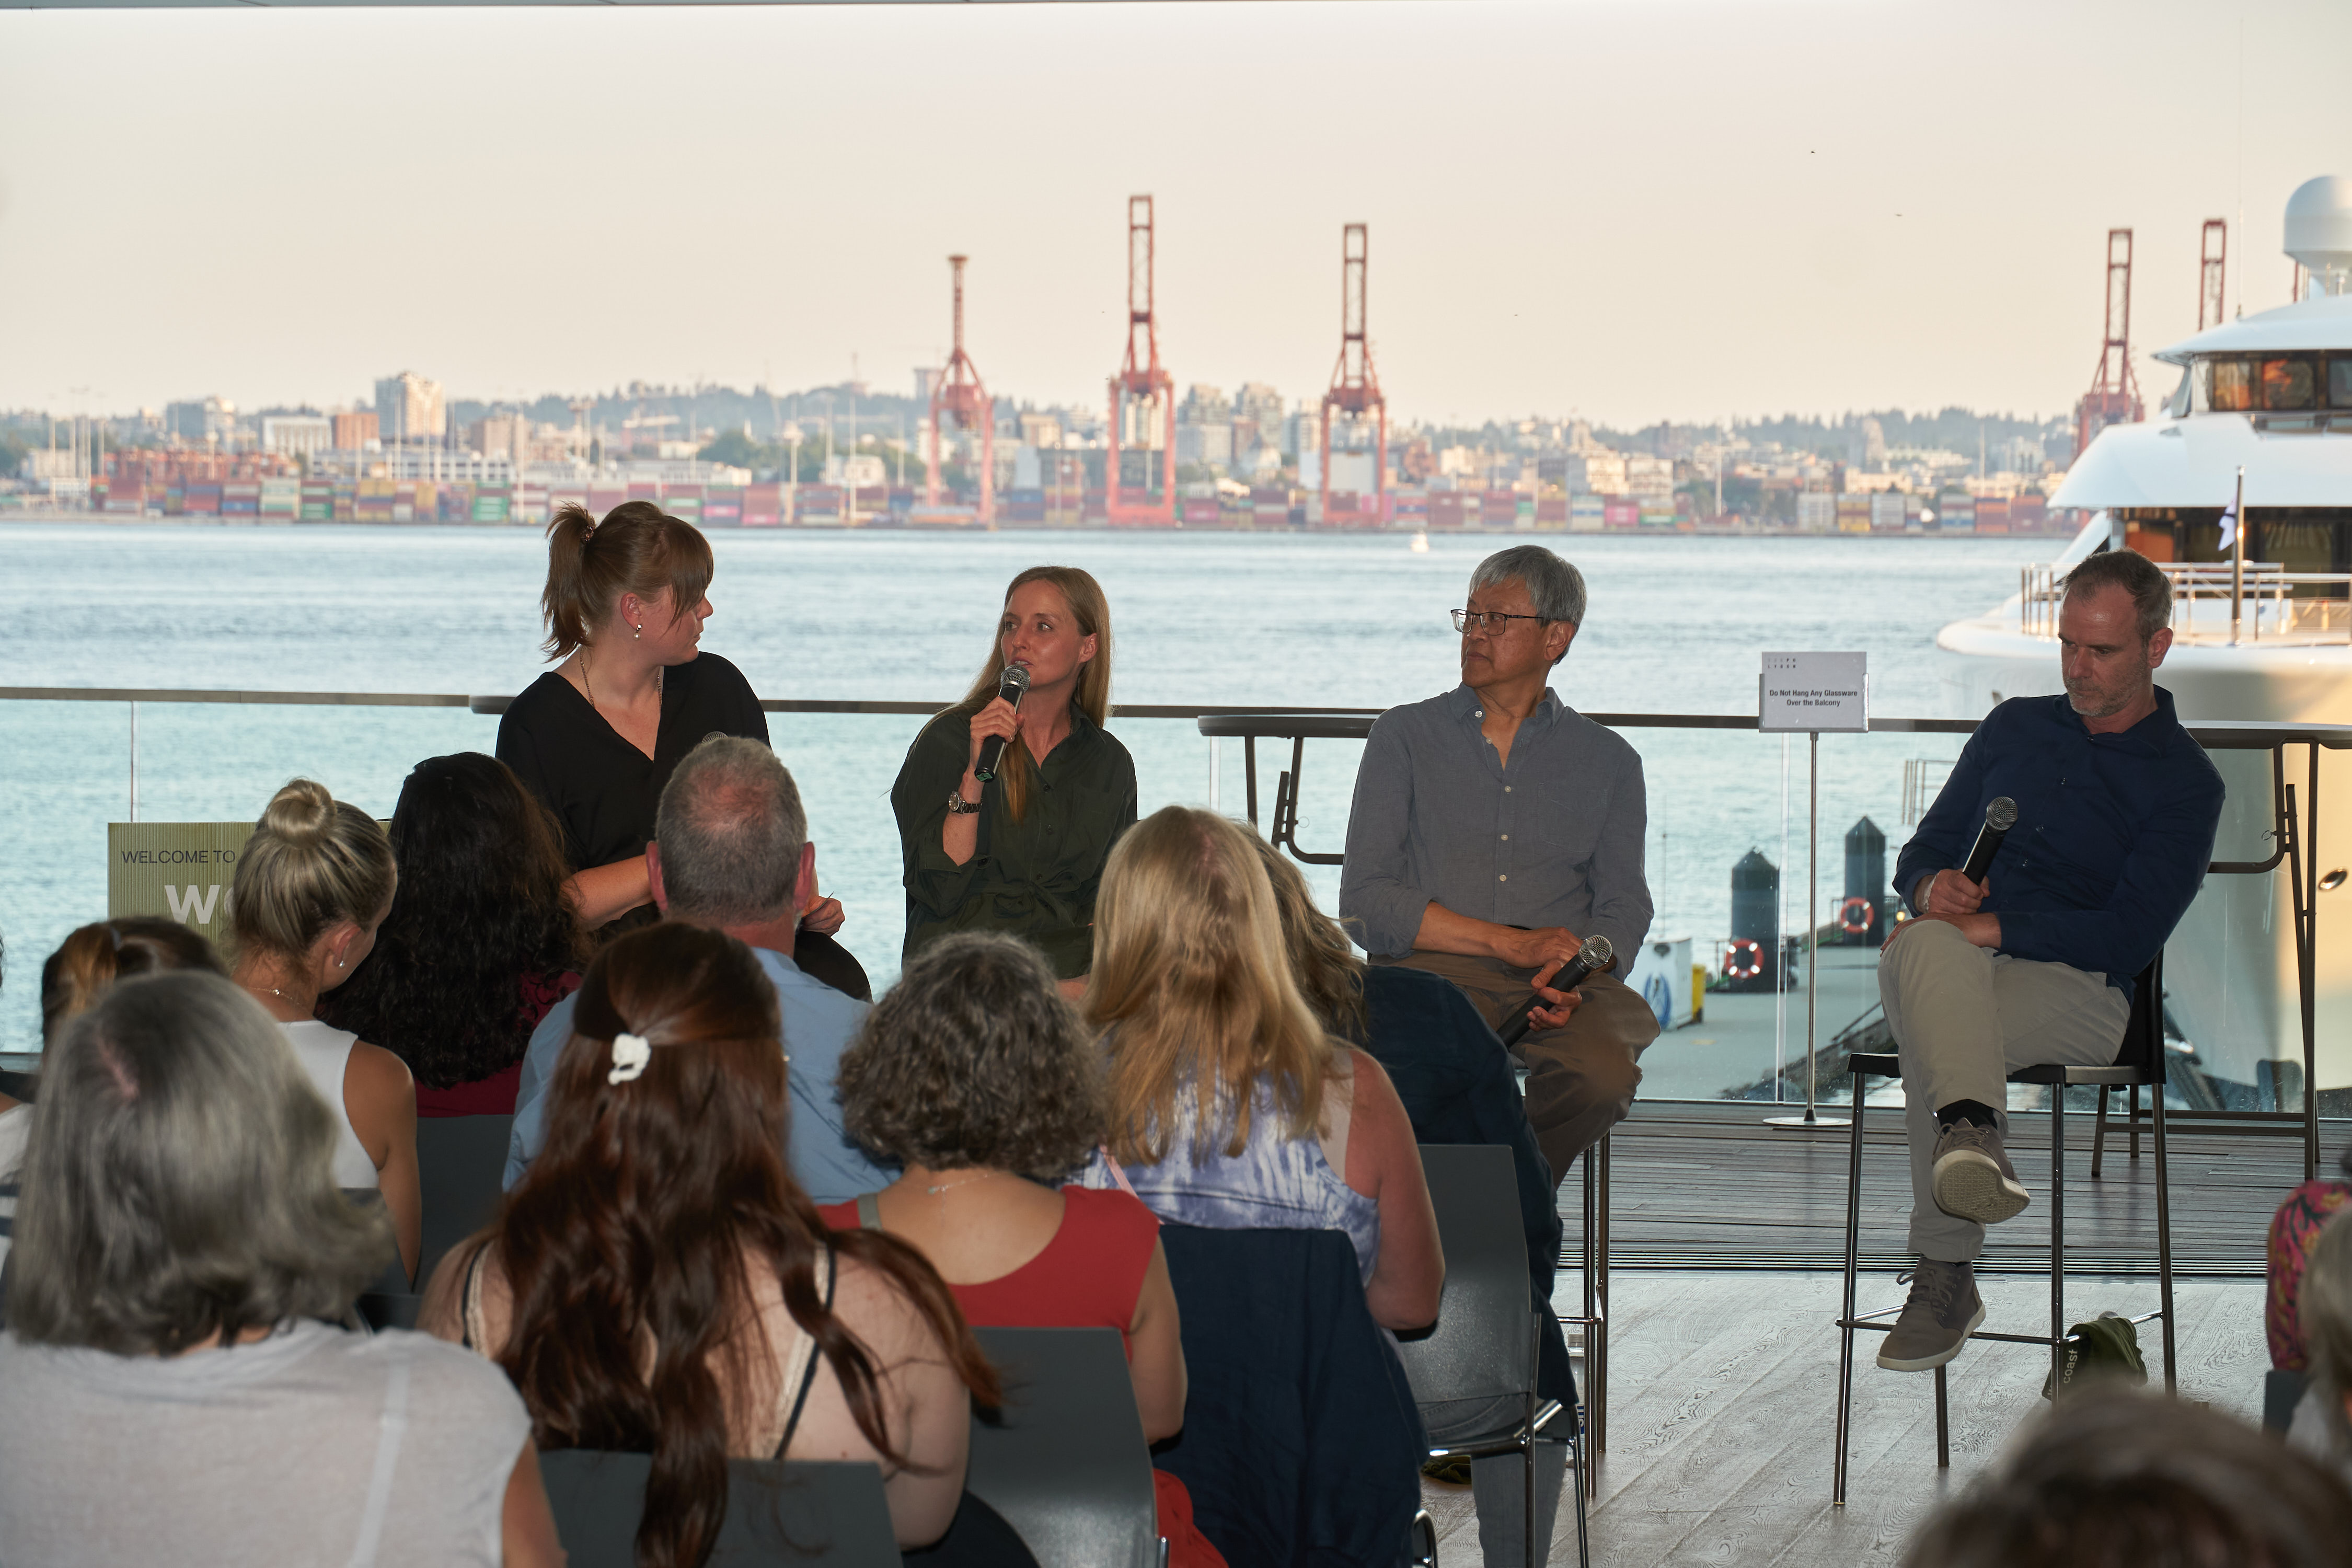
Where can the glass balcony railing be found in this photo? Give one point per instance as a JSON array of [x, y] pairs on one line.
[[1746, 998]]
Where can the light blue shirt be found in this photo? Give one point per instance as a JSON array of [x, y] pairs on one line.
[[819, 1024]]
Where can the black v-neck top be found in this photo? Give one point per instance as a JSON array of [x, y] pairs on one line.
[[603, 790]]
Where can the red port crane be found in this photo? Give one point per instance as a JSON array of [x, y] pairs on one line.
[[959, 393], [2213, 251], [1355, 385], [2114, 397], [1141, 387]]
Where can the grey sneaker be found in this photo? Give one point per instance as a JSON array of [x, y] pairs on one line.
[[1943, 1312], [1972, 1177]]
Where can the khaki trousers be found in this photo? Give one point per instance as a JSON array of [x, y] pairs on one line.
[[1964, 1018], [1581, 1076]]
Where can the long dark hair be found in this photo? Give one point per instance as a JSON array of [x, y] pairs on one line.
[[479, 906], [642, 1219]]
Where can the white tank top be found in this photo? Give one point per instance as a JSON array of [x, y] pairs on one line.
[[323, 1050]]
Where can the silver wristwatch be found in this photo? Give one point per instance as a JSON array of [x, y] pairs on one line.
[[959, 806]]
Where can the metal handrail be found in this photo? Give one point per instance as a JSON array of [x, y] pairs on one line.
[[2267, 586]]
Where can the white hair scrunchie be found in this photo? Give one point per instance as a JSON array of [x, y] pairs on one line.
[[630, 1055]]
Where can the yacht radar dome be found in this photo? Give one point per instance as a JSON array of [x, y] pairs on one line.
[[2319, 232]]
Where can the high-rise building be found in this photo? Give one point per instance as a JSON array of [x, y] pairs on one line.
[[1205, 405], [508, 435], [203, 419], [354, 431], [290, 434], [409, 409]]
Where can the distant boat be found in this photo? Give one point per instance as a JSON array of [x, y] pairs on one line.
[[1420, 545]]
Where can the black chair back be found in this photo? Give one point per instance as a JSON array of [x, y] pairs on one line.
[[460, 1161], [1065, 1462], [2143, 1035], [1482, 1345], [793, 1512]]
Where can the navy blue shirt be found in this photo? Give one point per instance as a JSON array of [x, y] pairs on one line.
[[2113, 835]]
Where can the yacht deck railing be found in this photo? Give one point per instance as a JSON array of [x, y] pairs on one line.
[[2274, 605]]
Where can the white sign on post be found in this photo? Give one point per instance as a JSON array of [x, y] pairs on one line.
[[1813, 692]]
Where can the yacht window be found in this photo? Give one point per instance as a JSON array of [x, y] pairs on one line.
[[2232, 390], [2339, 382], [2286, 383]]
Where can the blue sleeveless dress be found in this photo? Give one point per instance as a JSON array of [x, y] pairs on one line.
[[1275, 1183]]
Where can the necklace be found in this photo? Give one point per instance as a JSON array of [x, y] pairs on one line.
[[589, 687], [950, 1186]]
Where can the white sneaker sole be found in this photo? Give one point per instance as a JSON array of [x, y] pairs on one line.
[[1968, 1185], [1929, 1363]]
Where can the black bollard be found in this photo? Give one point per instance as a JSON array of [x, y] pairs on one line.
[[1752, 962], [1862, 919]]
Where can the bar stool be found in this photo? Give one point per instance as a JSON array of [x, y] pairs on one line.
[[2139, 1062], [1592, 1389]]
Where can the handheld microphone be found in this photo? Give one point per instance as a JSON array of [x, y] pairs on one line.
[[2001, 815], [1010, 686], [1597, 954]]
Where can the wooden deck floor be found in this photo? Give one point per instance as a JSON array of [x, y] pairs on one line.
[[1723, 1389], [1708, 1186]]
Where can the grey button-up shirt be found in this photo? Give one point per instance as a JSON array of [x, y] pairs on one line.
[[1554, 839]]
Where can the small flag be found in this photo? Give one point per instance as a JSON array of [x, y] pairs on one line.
[[2229, 528]]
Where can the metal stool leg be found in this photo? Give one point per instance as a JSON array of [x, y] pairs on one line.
[[2153, 1093], [1845, 1319], [2057, 1233], [1591, 1311], [1943, 1425], [2099, 1134], [1598, 1361], [2163, 1230]]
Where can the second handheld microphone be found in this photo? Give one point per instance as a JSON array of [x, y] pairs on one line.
[[1597, 954], [1010, 687], [2001, 815]]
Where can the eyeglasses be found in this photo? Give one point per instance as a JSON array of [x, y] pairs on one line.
[[1487, 621]]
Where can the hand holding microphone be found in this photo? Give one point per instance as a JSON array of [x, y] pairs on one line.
[[1596, 953], [1962, 892], [1010, 688]]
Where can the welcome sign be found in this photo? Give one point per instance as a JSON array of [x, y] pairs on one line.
[[180, 871]]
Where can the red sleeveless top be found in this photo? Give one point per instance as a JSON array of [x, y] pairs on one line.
[[1088, 1276]]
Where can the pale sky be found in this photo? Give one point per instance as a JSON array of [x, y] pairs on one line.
[[1673, 209]]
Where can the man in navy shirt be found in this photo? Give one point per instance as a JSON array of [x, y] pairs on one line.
[[2035, 964]]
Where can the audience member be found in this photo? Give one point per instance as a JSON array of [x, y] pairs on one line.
[[481, 941], [312, 886], [1230, 1107], [172, 1388], [2115, 1478], [1493, 829], [2322, 1427], [659, 1283], [2295, 1229], [977, 1079], [1455, 1081], [1024, 856], [95, 956], [733, 853], [89, 961]]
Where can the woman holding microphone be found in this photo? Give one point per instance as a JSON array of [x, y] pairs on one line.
[[1020, 850], [597, 737]]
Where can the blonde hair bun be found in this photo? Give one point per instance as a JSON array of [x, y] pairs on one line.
[[302, 814]]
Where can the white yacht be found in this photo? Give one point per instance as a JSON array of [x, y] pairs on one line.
[[2263, 628]]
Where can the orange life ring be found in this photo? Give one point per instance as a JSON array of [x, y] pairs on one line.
[[1855, 915], [1744, 959]]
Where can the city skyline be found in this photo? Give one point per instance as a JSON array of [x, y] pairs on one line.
[[1682, 212]]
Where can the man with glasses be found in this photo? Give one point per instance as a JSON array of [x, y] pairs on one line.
[[1494, 829]]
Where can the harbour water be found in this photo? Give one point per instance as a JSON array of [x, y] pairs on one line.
[[1676, 625]]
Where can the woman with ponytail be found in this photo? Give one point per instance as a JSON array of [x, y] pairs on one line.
[[1022, 853], [596, 737], [312, 886], [658, 1283]]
